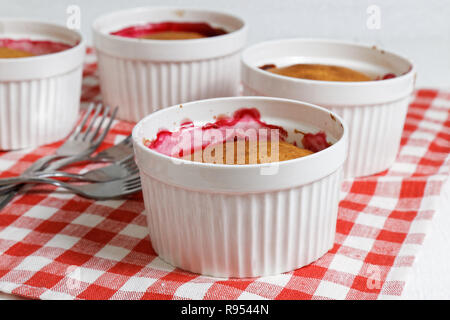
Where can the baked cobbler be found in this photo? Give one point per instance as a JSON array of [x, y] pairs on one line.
[[318, 72], [22, 48], [241, 139], [259, 152], [322, 72]]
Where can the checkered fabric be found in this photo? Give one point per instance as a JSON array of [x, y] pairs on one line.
[[54, 245]]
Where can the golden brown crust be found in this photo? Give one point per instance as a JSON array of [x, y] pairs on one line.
[[320, 72], [7, 53], [173, 35], [286, 151]]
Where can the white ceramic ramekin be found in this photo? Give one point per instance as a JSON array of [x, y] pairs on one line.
[[141, 75], [242, 220], [375, 111], [40, 95]]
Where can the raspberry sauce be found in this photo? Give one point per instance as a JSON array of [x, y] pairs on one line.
[[140, 31], [35, 47], [189, 138]]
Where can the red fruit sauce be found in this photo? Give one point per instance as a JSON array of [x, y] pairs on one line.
[[35, 47], [388, 76], [189, 138], [315, 141], [138, 31]]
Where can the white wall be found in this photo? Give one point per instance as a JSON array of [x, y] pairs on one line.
[[419, 29]]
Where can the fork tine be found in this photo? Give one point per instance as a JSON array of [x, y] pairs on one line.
[[108, 126], [127, 161], [132, 168], [126, 165], [133, 187], [94, 118], [106, 113], [83, 122], [133, 179], [131, 182], [136, 183], [131, 191], [127, 141]]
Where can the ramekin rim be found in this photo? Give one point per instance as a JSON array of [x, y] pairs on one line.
[[211, 191], [164, 157], [111, 37], [263, 73], [80, 45]]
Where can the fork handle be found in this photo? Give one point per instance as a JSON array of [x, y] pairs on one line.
[[9, 193], [36, 166], [40, 163], [14, 184], [15, 180], [55, 183], [9, 184], [43, 174], [64, 162]]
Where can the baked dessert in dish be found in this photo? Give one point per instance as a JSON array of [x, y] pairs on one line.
[[180, 54], [241, 139], [170, 31], [41, 67], [374, 108], [322, 72], [249, 153], [244, 220], [22, 48]]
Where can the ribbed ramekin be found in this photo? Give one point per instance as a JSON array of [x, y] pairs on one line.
[[242, 220], [375, 111], [142, 75], [40, 95]]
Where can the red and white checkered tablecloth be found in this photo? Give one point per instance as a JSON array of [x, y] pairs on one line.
[[54, 245]]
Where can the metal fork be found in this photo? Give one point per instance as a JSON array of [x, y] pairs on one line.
[[81, 141], [99, 190], [118, 170], [118, 152]]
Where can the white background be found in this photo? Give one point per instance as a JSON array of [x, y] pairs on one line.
[[419, 29]]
